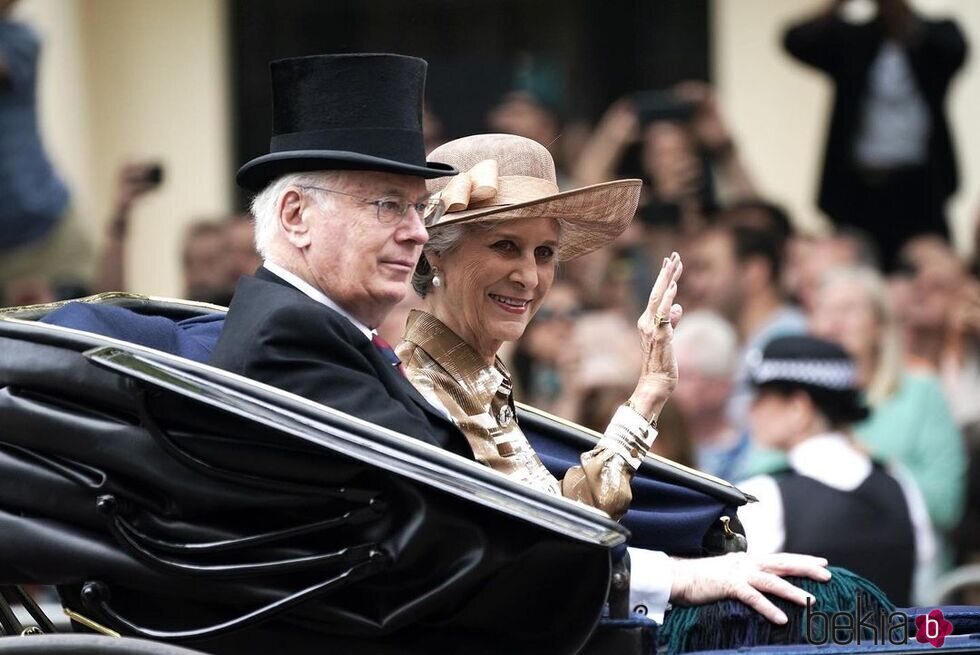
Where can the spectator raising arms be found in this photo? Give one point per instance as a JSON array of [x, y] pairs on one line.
[[889, 165], [687, 153], [942, 327]]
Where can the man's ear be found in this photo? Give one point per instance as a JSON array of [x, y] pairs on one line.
[[292, 211]]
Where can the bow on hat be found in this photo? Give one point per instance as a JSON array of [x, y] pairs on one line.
[[510, 177], [482, 186]]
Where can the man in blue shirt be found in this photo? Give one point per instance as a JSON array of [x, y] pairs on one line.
[[37, 237]]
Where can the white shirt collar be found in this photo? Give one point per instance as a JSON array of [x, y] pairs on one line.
[[831, 459], [316, 295]]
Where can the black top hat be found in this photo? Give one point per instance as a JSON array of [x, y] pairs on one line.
[[345, 112], [820, 368]]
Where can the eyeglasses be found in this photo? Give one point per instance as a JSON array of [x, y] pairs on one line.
[[390, 210]]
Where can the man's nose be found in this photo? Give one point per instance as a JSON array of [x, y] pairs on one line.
[[412, 228]]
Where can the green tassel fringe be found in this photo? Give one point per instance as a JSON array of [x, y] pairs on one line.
[[731, 624]]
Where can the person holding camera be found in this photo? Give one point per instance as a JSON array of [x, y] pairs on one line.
[[686, 153], [889, 164], [133, 180]]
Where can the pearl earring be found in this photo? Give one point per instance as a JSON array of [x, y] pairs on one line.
[[436, 282]]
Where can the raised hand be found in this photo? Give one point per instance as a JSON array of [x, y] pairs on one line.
[[658, 374]]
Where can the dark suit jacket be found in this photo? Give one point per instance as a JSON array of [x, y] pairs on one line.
[[845, 52], [276, 334]]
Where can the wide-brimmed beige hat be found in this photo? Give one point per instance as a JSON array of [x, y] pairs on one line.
[[509, 177]]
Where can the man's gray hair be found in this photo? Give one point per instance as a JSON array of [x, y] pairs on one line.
[[444, 240], [266, 202], [710, 343]]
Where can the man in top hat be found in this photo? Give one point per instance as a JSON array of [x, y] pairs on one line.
[[338, 214], [339, 225]]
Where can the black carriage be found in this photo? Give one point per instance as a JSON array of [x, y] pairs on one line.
[[176, 503]]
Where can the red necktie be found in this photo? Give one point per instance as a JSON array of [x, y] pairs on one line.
[[388, 352]]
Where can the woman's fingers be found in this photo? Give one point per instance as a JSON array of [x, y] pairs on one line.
[[660, 285], [666, 305], [663, 309], [669, 272]]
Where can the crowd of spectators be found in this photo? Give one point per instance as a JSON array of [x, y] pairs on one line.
[[907, 313], [905, 310]]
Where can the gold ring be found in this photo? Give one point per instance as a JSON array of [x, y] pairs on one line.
[[660, 320]]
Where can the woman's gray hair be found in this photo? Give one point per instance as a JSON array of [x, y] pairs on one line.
[[889, 355], [443, 240], [266, 203]]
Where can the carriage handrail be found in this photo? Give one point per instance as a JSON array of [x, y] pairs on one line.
[[361, 440]]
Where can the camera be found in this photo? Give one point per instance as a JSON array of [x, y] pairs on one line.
[[153, 174], [661, 105]]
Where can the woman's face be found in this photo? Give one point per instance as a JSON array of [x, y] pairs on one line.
[[670, 160], [843, 313], [775, 419], [494, 281]]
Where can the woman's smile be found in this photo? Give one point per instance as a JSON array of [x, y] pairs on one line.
[[495, 278], [510, 304]]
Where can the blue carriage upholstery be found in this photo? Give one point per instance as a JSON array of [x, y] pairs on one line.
[[193, 338]]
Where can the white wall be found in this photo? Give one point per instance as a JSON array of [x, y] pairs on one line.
[[125, 79], [779, 109]]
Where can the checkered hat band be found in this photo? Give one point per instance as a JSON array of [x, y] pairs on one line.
[[838, 375]]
